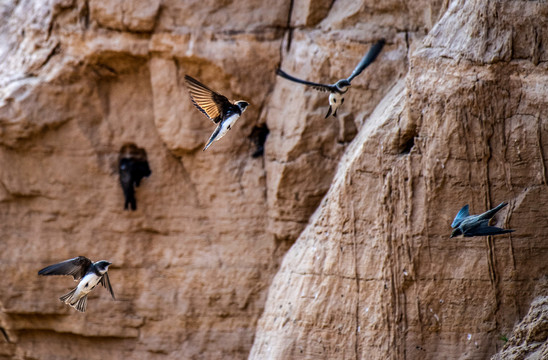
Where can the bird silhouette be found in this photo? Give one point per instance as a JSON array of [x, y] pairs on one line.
[[216, 107], [338, 89], [132, 167], [476, 225], [87, 272]]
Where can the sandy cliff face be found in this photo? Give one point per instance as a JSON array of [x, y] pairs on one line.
[[452, 112], [528, 339], [375, 275], [193, 263]]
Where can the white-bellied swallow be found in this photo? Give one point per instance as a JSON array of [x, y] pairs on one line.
[[216, 107], [338, 89], [87, 272], [476, 225], [132, 167]]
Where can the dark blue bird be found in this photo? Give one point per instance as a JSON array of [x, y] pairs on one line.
[[132, 167], [476, 225]]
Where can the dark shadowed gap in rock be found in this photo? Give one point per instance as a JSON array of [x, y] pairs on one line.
[[406, 149], [5, 335], [289, 29], [258, 137], [56, 50], [84, 15], [407, 142]]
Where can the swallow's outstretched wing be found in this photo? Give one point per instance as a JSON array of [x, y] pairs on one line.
[[461, 215], [317, 86], [485, 230], [367, 59], [141, 169], [76, 267], [211, 103], [105, 281], [490, 213]]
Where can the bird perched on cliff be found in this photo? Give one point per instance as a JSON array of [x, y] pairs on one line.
[[338, 89], [132, 167], [89, 273], [216, 107], [476, 225], [258, 137]]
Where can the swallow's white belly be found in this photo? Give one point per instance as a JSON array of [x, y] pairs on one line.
[[227, 125], [335, 100], [87, 283]]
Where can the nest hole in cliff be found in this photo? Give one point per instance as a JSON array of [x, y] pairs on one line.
[[258, 136], [407, 142]]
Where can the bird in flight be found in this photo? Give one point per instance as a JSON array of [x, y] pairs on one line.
[[216, 107], [338, 89], [87, 272], [476, 225]]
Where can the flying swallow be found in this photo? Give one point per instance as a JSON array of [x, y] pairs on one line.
[[476, 225], [89, 273], [132, 167], [338, 89], [216, 107]]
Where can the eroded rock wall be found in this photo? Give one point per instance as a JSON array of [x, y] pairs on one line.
[[375, 275], [529, 339]]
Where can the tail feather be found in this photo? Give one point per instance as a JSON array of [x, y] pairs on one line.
[[81, 304], [67, 298], [328, 112], [506, 231], [213, 137], [70, 299]]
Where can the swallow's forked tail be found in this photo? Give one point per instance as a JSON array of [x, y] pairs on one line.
[[81, 304], [78, 304], [67, 298], [328, 112], [213, 137]]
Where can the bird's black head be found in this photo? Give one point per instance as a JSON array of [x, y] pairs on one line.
[[102, 266], [242, 105], [343, 84], [456, 232]]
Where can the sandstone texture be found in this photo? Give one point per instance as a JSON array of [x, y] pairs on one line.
[[334, 243], [529, 339]]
